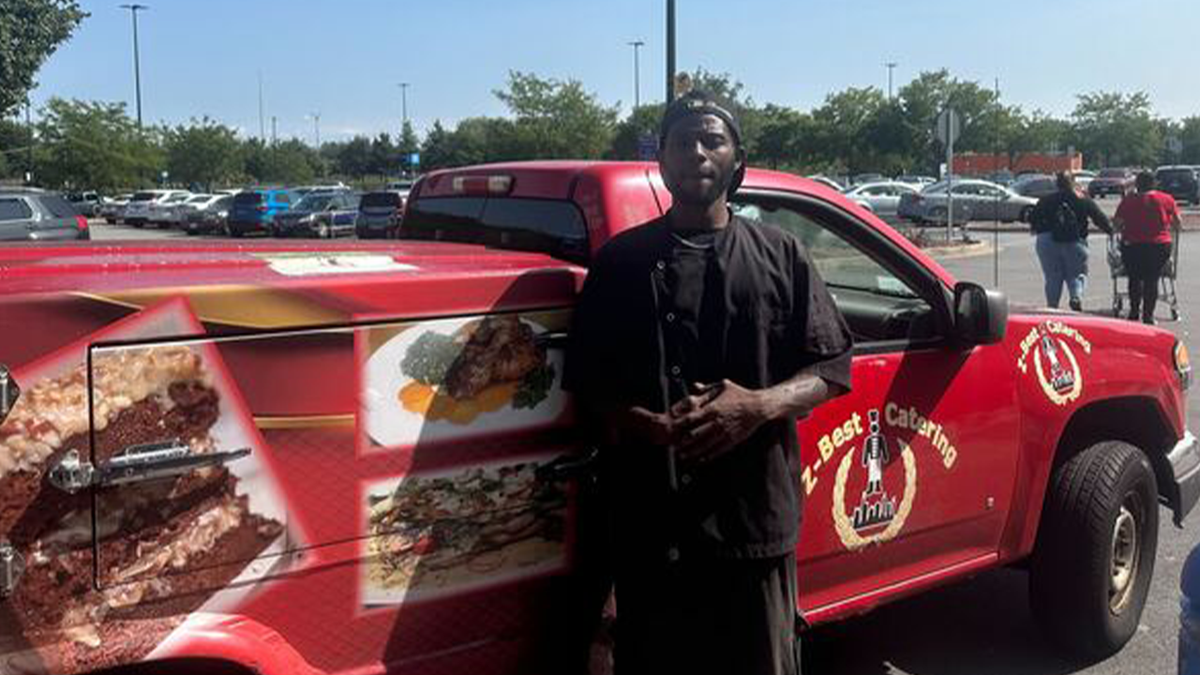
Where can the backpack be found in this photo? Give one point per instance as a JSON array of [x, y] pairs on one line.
[[1064, 223]]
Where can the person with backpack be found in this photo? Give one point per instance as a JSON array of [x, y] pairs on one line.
[[1060, 223], [1145, 220]]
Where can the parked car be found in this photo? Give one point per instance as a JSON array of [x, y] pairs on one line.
[[166, 213], [1117, 182], [916, 180], [209, 217], [304, 190], [113, 210], [254, 211], [1035, 185], [1084, 177], [177, 213], [882, 198], [973, 200], [864, 178], [1181, 182], [86, 203], [35, 215], [319, 214], [827, 182], [137, 211], [379, 214]]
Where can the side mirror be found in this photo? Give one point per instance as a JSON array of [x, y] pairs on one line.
[[980, 315]]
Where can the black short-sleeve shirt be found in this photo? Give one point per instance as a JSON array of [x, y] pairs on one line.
[[660, 310]]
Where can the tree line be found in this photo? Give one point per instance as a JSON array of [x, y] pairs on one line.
[[86, 144]]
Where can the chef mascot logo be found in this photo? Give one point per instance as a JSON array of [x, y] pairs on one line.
[[877, 515]]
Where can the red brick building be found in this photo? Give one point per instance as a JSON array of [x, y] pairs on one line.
[[980, 164]]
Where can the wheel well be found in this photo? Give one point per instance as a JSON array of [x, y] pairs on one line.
[[1135, 420], [180, 667]]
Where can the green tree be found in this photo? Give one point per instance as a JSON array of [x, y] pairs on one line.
[[287, 162], [556, 119], [94, 145], [384, 157], [203, 152], [930, 93], [1118, 129], [1189, 134], [15, 141], [781, 135], [628, 133], [30, 31], [354, 157], [841, 125]]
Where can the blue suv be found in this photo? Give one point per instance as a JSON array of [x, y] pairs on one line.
[[255, 210]]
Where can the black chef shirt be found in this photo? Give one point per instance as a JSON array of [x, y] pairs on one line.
[[661, 309]]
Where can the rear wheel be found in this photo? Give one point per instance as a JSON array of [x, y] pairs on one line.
[[1094, 558]]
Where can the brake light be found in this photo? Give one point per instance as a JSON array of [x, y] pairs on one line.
[[482, 185], [261, 208], [81, 223]]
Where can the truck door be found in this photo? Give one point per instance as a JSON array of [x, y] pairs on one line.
[[911, 473]]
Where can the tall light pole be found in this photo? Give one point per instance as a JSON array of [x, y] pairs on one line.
[[891, 66], [137, 68], [637, 74], [670, 51], [316, 118], [403, 105]]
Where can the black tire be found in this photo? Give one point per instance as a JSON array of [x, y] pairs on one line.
[[1101, 510]]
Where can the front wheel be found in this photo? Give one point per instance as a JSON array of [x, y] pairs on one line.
[[1094, 557]]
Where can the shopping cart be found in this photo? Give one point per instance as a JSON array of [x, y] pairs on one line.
[[1166, 292]]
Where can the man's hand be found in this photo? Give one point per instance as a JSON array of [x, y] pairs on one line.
[[716, 420], [643, 426]]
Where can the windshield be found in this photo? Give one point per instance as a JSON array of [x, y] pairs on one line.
[[314, 202]]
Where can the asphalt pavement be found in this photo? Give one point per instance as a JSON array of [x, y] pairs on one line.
[[984, 626]]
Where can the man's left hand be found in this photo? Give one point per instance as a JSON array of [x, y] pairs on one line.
[[717, 427]]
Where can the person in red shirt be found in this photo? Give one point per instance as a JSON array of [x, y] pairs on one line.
[[1145, 220]]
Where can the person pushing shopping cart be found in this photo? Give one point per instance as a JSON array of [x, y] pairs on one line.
[[1147, 223]]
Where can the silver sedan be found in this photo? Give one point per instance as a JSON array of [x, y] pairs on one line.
[[883, 197], [973, 200]]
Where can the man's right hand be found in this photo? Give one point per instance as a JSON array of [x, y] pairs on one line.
[[641, 425]]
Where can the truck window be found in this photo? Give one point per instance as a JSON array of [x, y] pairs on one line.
[[878, 305], [549, 226]]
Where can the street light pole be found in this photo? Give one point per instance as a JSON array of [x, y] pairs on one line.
[[670, 51], [637, 83], [317, 128], [403, 104], [137, 68], [890, 65]]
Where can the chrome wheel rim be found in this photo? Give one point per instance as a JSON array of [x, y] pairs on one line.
[[1124, 560]]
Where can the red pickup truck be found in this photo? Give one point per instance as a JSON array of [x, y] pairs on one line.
[[344, 458]]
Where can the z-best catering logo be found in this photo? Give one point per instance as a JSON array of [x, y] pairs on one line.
[[1049, 347], [870, 503]]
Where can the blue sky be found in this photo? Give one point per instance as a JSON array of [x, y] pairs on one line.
[[344, 59]]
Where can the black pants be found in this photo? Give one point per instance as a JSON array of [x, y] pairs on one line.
[[1144, 264], [703, 616]]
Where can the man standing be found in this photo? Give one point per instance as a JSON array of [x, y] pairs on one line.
[[1145, 220], [1060, 223], [698, 340]]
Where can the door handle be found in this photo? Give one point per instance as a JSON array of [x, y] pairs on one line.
[[136, 464]]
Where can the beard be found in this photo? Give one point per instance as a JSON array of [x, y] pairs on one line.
[[699, 194]]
